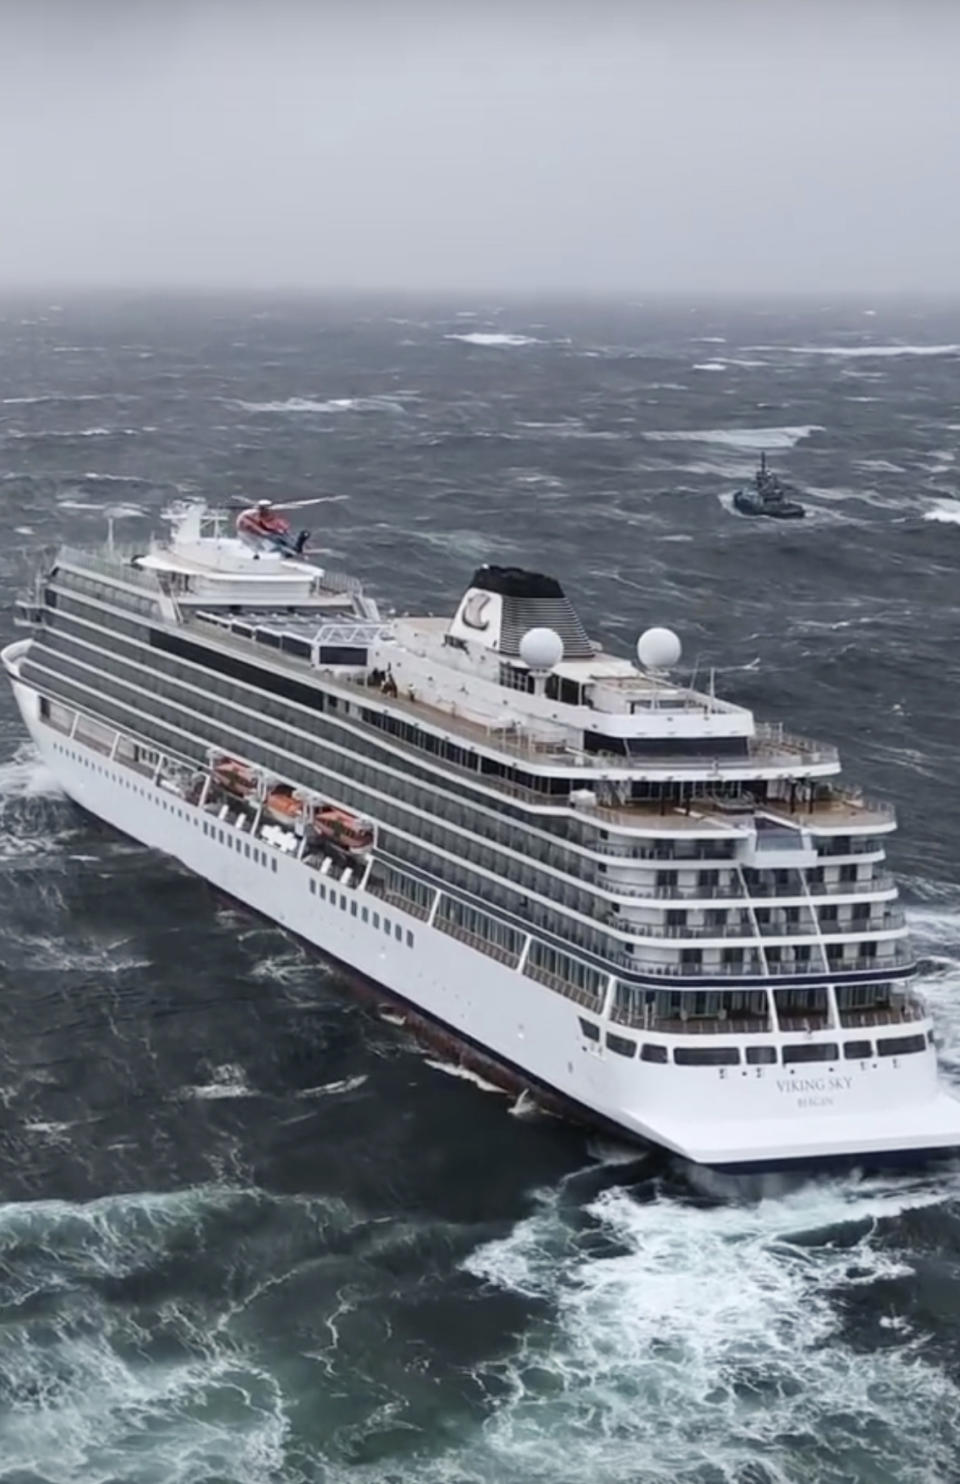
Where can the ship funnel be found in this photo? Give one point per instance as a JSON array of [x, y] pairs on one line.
[[502, 604]]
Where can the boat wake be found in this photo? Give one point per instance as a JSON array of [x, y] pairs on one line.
[[689, 1343]]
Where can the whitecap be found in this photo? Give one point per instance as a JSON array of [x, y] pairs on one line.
[[710, 366], [26, 777], [481, 337], [454, 1069], [947, 512], [880, 351], [747, 438], [227, 1081], [332, 404], [330, 1089], [706, 1339]]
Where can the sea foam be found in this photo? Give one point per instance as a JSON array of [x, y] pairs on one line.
[[748, 438], [482, 337]]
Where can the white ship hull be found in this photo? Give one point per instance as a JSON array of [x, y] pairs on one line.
[[759, 1117]]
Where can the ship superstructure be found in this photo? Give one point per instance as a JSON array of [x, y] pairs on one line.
[[617, 890]]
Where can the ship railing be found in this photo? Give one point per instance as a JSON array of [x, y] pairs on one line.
[[694, 1025], [881, 882], [576, 992], [901, 1010], [396, 899], [332, 581], [802, 1025], [628, 852], [772, 738], [115, 563], [826, 847], [473, 940], [743, 929], [668, 893], [882, 965]]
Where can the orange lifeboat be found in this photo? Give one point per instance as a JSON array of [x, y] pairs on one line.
[[343, 829], [283, 806], [236, 777]]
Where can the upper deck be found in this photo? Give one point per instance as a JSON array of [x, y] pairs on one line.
[[462, 690]]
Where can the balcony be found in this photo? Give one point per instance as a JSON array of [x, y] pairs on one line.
[[827, 848], [693, 1025], [899, 961], [857, 927], [900, 1009], [669, 893], [881, 882]]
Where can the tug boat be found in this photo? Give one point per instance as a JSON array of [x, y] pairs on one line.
[[770, 496]]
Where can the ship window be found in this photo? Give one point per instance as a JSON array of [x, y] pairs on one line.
[[313, 887], [707, 1056], [353, 908], [621, 1045], [376, 919], [220, 834], [591, 1031], [364, 914], [857, 1050], [273, 863], [811, 1051], [650, 1051], [398, 932], [761, 1056], [409, 939], [901, 1045], [343, 902]]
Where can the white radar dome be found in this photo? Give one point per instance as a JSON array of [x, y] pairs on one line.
[[658, 649], [541, 649]]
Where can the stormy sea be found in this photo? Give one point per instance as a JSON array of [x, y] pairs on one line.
[[250, 1231]]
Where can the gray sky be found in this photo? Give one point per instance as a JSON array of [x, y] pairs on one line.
[[639, 146]]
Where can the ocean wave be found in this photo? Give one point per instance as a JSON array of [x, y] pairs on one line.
[[465, 1074], [226, 1081], [710, 366], [24, 776], [745, 438], [96, 432], [879, 351], [117, 1361], [45, 397], [92, 477], [488, 338], [334, 1089], [333, 404], [682, 1342], [947, 512]]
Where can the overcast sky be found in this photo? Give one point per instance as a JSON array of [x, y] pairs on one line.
[[639, 146]]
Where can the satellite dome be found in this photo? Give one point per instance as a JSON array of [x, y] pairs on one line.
[[541, 649], [658, 649]]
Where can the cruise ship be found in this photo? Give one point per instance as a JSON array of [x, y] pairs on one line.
[[593, 882]]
